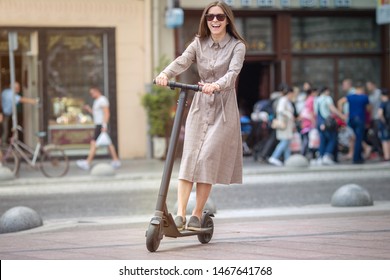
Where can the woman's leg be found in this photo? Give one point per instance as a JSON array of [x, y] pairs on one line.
[[305, 143], [359, 133], [280, 148], [113, 152], [183, 194], [351, 146], [331, 143], [202, 194], [92, 151], [287, 151], [322, 142], [386, 149]]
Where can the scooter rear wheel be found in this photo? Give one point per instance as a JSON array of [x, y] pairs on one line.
[[207, 222], [153, 237]]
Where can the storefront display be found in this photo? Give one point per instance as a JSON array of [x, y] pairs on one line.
[[74, 63], [71, 126]]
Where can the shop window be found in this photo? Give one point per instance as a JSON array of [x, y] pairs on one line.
[[321, 71], [257, 32], [318, 71], [74, 63], [359, 69], [327, 40], [23, 46], [334, 35]]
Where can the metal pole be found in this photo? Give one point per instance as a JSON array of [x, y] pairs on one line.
[[13, 45]]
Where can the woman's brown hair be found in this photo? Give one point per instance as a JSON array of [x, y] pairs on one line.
[[203, 30]]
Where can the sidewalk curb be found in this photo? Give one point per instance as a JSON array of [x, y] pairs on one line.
[[309, 211], [248, 170]]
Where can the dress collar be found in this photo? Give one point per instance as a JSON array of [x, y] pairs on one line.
[[221, 44]]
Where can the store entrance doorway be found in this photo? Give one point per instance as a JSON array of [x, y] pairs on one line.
[[257, 81], [26, 73]]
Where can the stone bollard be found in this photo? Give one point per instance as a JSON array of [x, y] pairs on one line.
[[351, 195], [5, 174], [102, 170], [19, 218], [210, 205], [297, 161]]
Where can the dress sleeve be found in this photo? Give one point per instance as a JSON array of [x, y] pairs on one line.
[[228, 80], [183, 62]]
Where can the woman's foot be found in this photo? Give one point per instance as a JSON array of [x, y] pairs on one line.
[[180, 222], [194, 224], [275, 161]]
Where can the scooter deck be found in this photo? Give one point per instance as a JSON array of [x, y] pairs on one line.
[[176, 233], [170, 229]]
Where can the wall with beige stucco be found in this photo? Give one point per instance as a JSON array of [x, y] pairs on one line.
[[132, 21], [293, 3]]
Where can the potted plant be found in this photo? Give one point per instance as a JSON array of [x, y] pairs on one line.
[[159, 105]]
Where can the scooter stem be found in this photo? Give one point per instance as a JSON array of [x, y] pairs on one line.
[[168, 166]]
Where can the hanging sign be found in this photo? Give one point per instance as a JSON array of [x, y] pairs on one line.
[[383, 12], [265, 3], [174, 17], [342, 3], [308, 3]]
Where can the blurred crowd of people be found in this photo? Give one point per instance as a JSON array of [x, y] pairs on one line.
[[310, 122]]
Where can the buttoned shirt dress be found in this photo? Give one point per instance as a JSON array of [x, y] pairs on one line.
[[212, 151]]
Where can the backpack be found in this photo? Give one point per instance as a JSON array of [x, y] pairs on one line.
[[330, 123]]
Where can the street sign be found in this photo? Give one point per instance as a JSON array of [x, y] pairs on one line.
[[174, 17]]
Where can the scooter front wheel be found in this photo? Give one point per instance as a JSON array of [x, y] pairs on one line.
[[207, 222], [153, 236]]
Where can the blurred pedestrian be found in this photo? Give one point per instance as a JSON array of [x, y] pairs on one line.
[[308, 120], [7, 103], [325, 110], [285, 127], [302, 96], [101, 115], [374, 96], [347, 86], [384, 117], [358, 106]]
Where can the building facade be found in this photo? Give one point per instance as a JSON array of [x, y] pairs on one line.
[[294, 41], [64, 47]]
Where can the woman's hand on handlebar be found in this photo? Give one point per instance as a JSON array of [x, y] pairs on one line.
[[162, 79], [210, 88]]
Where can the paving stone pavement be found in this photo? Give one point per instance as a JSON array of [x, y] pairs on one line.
[[319, 233]]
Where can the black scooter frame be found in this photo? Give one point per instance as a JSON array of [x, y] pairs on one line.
[[162, 223]]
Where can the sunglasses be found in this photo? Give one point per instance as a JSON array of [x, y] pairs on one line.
[[220, 17]]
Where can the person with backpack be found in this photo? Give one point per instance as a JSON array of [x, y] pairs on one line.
[[384, 130], [325, 110]]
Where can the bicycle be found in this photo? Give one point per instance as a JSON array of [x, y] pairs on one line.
[[50, 159]]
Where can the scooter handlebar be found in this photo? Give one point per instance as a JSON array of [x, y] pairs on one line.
[[173, 85]]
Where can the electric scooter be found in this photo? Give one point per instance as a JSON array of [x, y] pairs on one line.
[[163, 223]]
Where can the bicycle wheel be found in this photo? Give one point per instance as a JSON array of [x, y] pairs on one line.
[[54, 162], [10, 159]]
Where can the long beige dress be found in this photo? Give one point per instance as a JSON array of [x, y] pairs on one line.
[[212, 151]]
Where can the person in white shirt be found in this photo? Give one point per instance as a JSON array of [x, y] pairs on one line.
[[374, 96], [285, 127], [101, 114]]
